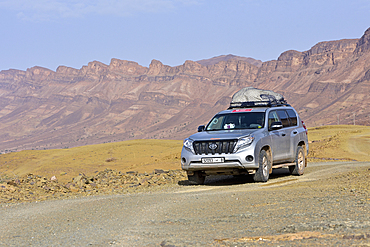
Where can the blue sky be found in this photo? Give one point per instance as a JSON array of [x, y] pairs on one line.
[[50, 33]]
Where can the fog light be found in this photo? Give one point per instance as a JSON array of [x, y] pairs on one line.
[[249, 158], [183, 160]]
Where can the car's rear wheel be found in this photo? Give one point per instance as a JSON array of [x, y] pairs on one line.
[[196, 178], [263, 172], [300, 162]]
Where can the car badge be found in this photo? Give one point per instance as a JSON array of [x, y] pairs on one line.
[[212, 146]]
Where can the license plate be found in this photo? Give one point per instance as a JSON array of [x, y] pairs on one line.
[[213, 160]]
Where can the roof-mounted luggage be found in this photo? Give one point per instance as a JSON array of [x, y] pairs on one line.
[[253, 97]]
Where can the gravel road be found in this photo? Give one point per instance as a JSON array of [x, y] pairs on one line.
[[329, 205]]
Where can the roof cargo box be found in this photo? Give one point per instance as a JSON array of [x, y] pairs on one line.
[[250, 96]]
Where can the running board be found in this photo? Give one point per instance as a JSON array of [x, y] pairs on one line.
[[283, 165]]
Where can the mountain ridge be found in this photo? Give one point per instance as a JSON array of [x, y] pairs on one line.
[[41, 108]]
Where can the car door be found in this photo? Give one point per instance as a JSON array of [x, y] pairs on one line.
[[293, 132], [285, 132], [279, 138]]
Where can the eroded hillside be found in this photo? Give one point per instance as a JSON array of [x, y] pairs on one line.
[[42, 109]]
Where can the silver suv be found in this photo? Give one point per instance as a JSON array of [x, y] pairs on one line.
[[248, 138]]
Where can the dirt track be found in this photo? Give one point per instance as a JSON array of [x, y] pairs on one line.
[[329, 205]]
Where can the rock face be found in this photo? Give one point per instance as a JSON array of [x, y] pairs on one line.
[[41, 109], [214, 60]]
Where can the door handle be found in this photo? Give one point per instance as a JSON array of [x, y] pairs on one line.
[[283, 134], [295, 132]]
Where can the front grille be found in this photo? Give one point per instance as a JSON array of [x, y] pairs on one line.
[[221, 147]]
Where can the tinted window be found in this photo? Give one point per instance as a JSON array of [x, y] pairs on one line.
[[273, 117], [283, 118], [292, 117]]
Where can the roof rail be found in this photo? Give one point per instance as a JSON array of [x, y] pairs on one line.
[[268, 103]]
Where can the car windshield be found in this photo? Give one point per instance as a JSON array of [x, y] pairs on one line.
[[244, 120]]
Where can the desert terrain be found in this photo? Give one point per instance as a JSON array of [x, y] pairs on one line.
[[91, 156], [99, 200], [327, 143]]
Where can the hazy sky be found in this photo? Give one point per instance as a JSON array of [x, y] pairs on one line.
[[50, 33]]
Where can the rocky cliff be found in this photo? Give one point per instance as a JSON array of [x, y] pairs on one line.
[[40, 108]]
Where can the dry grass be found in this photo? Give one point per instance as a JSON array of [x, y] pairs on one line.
[[136, 155], [342, 142]]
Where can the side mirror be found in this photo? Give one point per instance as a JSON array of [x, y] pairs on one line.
[[201, 128], [276, 126]]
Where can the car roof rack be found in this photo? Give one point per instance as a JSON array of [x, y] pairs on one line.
[[268, 103]]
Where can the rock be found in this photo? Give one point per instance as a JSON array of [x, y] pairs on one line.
[[68, 185], [110, 159], [132, 172], [12, 183], [34, 187], [77, 179], [73, 188], [159, 171]]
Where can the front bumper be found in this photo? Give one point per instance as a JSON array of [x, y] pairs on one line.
[[193, 162]]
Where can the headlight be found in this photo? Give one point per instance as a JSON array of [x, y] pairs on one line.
[[188, 144], [243, 143]]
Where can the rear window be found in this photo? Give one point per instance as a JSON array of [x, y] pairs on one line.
[[292, 117], [283, 118]]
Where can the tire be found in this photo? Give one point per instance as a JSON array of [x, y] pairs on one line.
[[300, 162], [197, 178], [263, 172]]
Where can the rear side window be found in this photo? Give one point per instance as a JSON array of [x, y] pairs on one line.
[[292, 117], [283, 118]]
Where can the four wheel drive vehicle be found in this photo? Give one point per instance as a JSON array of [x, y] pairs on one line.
[[251, 137]]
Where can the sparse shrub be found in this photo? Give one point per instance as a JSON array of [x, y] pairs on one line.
[[110, 159]]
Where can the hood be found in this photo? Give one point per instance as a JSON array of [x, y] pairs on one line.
[[221, 134]]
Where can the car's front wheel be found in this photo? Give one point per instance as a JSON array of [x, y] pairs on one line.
[[196, 178]]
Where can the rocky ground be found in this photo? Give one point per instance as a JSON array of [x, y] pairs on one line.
[[327, 206], [37, 188]]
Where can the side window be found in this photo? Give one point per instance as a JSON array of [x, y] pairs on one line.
[[283, 118], [273, 117], [292, 117]]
